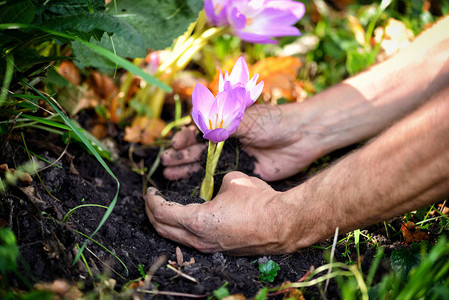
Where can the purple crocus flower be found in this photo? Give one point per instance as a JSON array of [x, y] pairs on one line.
[[218, 117], [216, 12], [256, 21], [240, 77]]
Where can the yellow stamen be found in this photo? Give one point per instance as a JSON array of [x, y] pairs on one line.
[[217, 125], [218, 7], [249, 21]]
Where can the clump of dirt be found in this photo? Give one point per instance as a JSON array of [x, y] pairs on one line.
[[49, 238]]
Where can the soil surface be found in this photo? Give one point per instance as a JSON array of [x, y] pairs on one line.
[[48, 238]]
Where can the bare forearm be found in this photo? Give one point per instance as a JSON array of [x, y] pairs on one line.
[[405, 168], [364, 105]]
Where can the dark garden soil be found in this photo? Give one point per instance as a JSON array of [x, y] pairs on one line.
[[48, 245]]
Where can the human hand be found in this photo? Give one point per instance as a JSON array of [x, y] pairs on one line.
[[278, 137], [182, 159], [274, 135], [247, 217]]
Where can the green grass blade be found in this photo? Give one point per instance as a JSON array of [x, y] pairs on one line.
[[8, 77], [102, 246], [97, 156], [70, 212], [49, 123]]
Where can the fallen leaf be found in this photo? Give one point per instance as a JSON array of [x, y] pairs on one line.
[[279, 76], [144, 130], [179, 256], [102, 85], [412, 234], [99, 130], [70, 71], [61, 288], [136, 284], [3, 168]]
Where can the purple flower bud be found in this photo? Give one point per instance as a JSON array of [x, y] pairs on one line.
[[240, 77]]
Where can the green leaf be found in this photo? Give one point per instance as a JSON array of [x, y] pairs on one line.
[[9, 252], [17, 11], [141, 271], [403, 260], [158, 21], [268, 271], [358, 60], [262, 294], [104, 52], [94, 24], [221, 292], [86, 57], [46, 10]]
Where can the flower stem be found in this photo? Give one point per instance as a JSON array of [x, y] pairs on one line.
[[213, 154]]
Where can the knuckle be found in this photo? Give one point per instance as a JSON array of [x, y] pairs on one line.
[[232, 175], [198, 224]]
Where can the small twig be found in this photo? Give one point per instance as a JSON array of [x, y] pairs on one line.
[[442, 206], [108, 266], [177, 294], [180, 273], [149, 276], [60, 156], [334, 245]]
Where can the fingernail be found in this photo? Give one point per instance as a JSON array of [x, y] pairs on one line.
[[152, 191]]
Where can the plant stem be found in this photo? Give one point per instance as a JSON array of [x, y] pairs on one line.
[[186, 46], [213, 154]]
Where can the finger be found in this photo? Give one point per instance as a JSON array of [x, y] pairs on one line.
[[186, 237], [172, 157], [184, 138], [167, 218], [181, 172], [167, 212]]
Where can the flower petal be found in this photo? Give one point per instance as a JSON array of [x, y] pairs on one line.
[[255, 38], [217, 135], [210, 12], [297, 8], [202, 102], [221, 80], [201, 123], [239, 73], [237, 19], [234, 106], [216, 12], [255, 92], [252, 83]]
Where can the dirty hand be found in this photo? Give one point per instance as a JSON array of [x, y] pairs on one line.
[[274, 135], [247, 217]]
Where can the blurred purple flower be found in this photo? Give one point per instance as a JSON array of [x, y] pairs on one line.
[[256, 21], [240, 77], [218, 117]]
